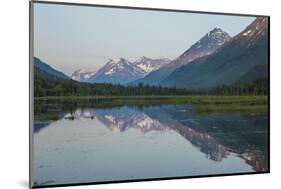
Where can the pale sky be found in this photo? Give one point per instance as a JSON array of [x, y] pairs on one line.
[[78, 37]]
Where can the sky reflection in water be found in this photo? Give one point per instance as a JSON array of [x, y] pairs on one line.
[[136, 142]]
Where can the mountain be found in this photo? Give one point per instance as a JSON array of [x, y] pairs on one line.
[[46, 69], [82, 76], [205, 46], [257, 72], [121, 71], [149, 65], [117, 71], [229, 63]]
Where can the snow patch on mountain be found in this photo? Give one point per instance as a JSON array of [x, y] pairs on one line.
[[81, 75], [148, 65], [120, 70]]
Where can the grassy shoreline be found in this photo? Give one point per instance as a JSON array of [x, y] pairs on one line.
[[178, 97], [202, 104]]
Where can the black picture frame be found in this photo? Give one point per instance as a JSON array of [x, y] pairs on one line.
[[31, 55]]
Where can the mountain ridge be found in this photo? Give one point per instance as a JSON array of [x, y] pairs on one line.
[[206, 45], [82, 76], [238, 56], [45, 68], [121, 71], [117, 71]]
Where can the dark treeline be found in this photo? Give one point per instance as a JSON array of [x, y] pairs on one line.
[[259, 87], [48, 86]]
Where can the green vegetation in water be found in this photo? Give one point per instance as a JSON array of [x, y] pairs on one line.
[[46, 116], [231, 108], [231, 104], [202, 104], [193, 99]]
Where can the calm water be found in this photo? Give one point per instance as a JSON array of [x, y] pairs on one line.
[[137, 142]]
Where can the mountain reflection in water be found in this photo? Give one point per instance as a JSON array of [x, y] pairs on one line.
[[216, 135]]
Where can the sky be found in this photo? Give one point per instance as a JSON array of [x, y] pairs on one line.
[[69, 38]]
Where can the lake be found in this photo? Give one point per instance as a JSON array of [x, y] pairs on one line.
[[78, 144]]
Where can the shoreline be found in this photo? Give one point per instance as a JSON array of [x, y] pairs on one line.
[[150, 97]]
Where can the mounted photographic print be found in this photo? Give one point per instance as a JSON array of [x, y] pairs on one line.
[[122, 94]]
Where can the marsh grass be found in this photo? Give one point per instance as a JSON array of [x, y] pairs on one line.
[[46, 116], [201, 104], [230, 108]]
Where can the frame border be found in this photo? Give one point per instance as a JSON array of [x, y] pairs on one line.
[[31, 55], [31, 96], [145, 8]]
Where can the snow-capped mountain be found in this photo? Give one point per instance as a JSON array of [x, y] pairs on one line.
[[152, 71], [82, 76], [255, 31], [205, 46], [117, 71], [148, 65], [209, 43], [121, 71], [242, 59]]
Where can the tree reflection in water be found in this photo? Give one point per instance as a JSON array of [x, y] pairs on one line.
[[216, 135]]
